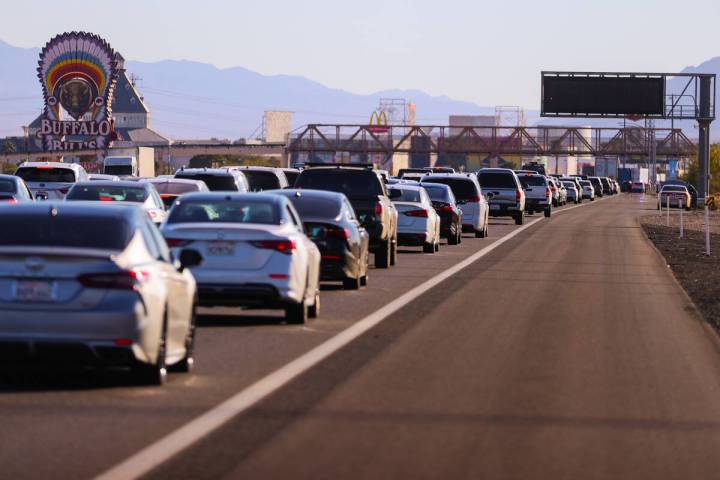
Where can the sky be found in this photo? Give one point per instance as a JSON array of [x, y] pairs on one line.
[[490, 53]]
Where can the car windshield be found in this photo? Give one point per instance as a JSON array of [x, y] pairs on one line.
[[462, 189], [354, 183], [215, 183], [64, 230], [175, 188], [7, 186], [405, 195], [533, 181], [46, 174], [225, 211], [436, 192], [496, 180], [107, 193], [260, 180], [315, 206]]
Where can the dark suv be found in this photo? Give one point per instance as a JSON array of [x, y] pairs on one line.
[[506, 195], [369, 198]]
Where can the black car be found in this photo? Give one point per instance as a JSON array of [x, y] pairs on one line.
[[607, 188], [446, 207], [369, 198], [329, 221], [598, 186]]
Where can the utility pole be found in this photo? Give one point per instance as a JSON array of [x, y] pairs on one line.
[[704, 119]]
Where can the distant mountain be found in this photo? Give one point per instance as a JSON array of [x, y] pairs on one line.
[[196, 100]]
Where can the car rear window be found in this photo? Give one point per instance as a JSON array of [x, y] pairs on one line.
[[315, 207], [46, 174], [533, 181], [291, 177], [225, 211], [406, 195], [175, 188], [7, 186], [673, 188], [437, 193], [497, 180], [355, 184], [462, 189], [64, 230], [215, 183], [569, 184], [107, 193], [260, 180]]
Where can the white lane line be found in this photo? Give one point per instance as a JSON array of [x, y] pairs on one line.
[[169, 446]]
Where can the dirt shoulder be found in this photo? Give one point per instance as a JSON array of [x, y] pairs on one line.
[[697, 273]]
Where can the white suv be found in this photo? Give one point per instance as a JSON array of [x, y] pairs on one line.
[[469, 198]]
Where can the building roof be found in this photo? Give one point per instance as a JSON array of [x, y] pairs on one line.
[[126, 98]]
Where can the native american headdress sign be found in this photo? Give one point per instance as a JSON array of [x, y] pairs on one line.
[[78, 72]]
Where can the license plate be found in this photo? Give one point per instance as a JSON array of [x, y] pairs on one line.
[[41, 196], [34, 291], [221, 249], [494, 207]]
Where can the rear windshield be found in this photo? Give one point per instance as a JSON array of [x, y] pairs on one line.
[[107, 194], [315, 207], [586, 183], [533, 181], [497, 180], [175, 188], [225, 211], [118, 170], [405, 195], [80, 231], [673, 188], [353, 183], [260, 180], [7, 186], [569, 184], [46, 175], [461, 188], [215, 183], [292, 176], [437, 194]]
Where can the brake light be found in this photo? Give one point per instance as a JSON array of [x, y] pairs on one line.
[[445, 208], [343, 233], [518, 195], [177, 242], [107, 199], [378, 209], [167, 195], [555, 189], [474, 198], [125, 280], [10, 200], [64, 191], [44, 167], [123, 342], [282, 246], [547, 191], [417, 213]]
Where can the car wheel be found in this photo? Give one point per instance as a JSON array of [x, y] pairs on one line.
[[520, 218], [154, 374], [382, 255], [364, 280], [437, 245], [296, 313], [428, 247], [592, 199], [186, 364], [548, 212], [394, 251], [480, 233], [351, 283], [453, 238], [314, 310]]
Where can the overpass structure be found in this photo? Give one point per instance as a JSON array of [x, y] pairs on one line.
[[490, 141]]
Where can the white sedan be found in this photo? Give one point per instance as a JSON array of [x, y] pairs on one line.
[[255, 252], [418, 223], [677, 196]]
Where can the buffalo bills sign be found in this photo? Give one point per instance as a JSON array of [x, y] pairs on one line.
[[78, 72]]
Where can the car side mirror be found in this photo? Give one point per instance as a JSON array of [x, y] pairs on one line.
[[189, 259]]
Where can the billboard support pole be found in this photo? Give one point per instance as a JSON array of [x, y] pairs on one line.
[[705, 117]]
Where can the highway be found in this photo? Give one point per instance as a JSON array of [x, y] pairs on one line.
[[566, 351]]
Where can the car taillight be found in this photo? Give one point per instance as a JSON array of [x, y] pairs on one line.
[[547, 192], [378, 209], [125, 280], [106, 199], [555, 189], [343, 233], [518, 195], [64, 191], [282, 246], [177, 242], [445, 208], [10, 200], [417, 213], [474, 198]]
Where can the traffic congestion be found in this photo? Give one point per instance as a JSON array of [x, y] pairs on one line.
[[107, 272]]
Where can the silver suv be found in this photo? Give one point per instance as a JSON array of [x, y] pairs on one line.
[[504, 192], [538, 196], [51, 180]]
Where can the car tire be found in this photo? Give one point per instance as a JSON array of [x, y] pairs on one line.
[[453, 237], [548, 212], [480, 233], [364, 280], [428, 247], [394, 251], [314, 309], [351, 283], [592, 199], [382, 255], [186, 364], [437, 245], [154, 374], [520, 218], [296, 313]]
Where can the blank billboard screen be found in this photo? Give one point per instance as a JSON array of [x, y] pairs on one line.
[[602, 96]]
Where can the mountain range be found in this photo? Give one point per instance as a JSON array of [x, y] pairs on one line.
[[190, 100]]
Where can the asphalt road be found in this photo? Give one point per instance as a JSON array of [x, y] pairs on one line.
[[567, 352]]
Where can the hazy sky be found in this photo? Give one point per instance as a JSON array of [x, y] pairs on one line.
[[487, 52]]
